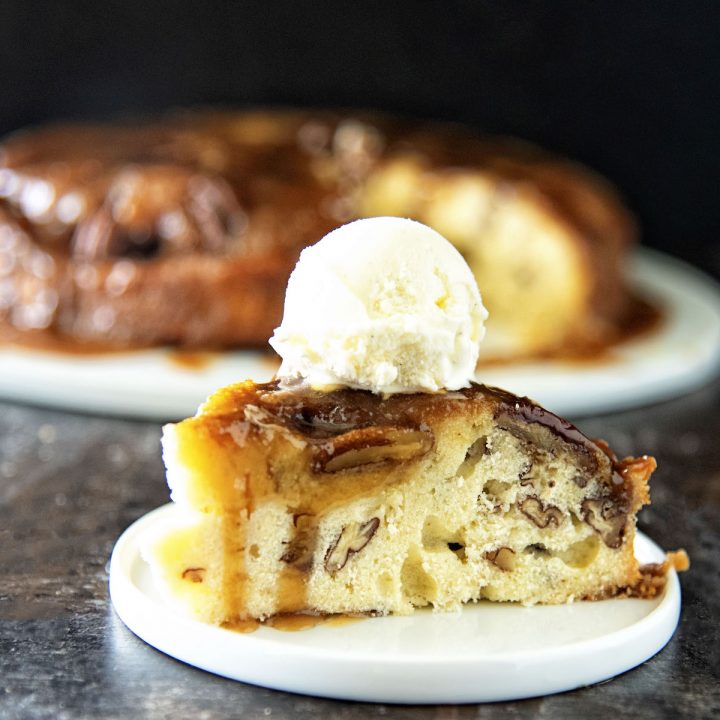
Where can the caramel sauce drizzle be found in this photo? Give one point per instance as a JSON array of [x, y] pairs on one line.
[[191, 360], [293, 622]]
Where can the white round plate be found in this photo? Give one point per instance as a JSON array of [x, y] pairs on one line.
[[486, 652], [681, 355]]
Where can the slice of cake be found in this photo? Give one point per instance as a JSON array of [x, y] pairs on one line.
[[302, 501], [375, 476]]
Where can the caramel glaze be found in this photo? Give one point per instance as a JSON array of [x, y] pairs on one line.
[[330, 424], [292, 622], [48, 341], [652, 578], [318, 415], [129, 234], [189, 360]]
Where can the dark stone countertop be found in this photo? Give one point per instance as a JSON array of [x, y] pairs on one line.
[[70, 484]]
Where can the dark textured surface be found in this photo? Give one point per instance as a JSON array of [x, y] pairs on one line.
[[69, 485]]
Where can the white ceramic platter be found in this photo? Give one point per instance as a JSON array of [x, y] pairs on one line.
[[681, 355], [487, 652]]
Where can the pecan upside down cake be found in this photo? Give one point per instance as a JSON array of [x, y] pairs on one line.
[[184, 230]]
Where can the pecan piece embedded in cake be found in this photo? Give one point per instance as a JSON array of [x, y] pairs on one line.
[[541, 515], [372, 445], [607, 518], [502, 557], [353, 538]]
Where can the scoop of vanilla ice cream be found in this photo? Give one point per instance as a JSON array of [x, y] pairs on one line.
[[382, 304]]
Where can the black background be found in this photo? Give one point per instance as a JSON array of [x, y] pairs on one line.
[[630, 88]]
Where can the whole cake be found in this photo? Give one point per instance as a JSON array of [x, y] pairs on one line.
[[184, 230], [373, 476]]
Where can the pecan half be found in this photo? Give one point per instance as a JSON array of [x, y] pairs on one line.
[[502, 557], [581, 480], [371, 446], [545, 432], [478, 448], [541, 515], [607, 518], [300, 550], [526, 480], [353, 538]]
